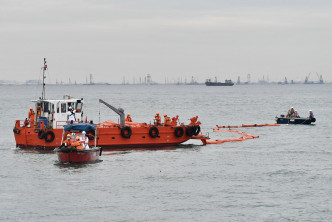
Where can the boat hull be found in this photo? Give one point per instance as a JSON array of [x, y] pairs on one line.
[[106, 138], [285, 120], [78, 156]]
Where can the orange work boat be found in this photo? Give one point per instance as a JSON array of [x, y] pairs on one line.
[[44, 130], [75, 149]]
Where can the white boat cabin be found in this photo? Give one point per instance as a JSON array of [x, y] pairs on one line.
[[53, 112]]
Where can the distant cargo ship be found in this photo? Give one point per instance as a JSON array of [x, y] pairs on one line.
[[216, 83]]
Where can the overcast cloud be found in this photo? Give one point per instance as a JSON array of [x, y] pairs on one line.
[[173, 39]]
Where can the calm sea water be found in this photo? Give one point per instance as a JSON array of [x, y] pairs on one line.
[[284, 175]]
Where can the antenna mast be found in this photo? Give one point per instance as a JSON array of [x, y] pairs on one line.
[[44, 77]]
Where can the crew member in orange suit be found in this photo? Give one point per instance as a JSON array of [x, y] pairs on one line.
[[31, 116], [67, 142], [157, 119], [128, 118], [167, 120], [78, 143], [174, 120]]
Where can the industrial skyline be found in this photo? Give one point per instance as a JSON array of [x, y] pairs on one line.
[[148, 80]]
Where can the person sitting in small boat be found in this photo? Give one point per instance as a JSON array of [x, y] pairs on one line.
[[167, 120], [71, 115], [311, 114], [67, 142], [290, 112], [86, 139], [78, 143], [157, 119], [296, 115], [31, 116], [73, 136], [128, 118]]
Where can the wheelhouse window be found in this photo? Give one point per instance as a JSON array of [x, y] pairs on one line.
[[72, 104], [45, 107], [79, 107], [52, 108], [63, 107]]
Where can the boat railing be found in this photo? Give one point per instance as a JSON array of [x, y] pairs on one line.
[[37, 124], [20, 123], [40, 125], [61, 124]]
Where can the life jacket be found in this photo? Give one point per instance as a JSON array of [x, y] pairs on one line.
[[67, 142], [128, 119], [32, 117], [157, 119], [167, 121], [78, 145], [290, 114], [174, 120], [31, 114], [39, 109], [193, 120]]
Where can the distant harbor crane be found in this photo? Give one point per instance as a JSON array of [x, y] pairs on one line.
[[320, 79]]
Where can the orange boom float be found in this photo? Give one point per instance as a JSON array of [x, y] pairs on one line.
[[245, 125], [244, 137]]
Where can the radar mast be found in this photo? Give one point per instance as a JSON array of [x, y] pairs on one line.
[[44, 77]]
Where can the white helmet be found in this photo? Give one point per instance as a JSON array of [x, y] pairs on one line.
[[83, 132], [70, 107]]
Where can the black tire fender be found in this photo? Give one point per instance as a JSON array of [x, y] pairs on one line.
[[154, 132], [197, 130], [126, 132], [17, 131], [49, 136], [190, 130], [41, 134], [179, 132]]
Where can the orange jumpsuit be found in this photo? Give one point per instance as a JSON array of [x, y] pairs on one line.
[[128, 119], [167, 121], [39, 109], [157, 119], [174, 120], [68, 142], [32, 117], [193, 120], [78, 145]]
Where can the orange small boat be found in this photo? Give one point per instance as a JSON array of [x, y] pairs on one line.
[[81, 153], [44, 130], [71, 155]]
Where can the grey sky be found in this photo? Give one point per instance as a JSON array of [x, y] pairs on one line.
[[172, 39]]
